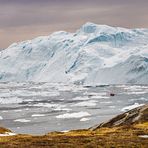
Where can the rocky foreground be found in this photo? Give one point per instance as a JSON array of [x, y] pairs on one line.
[[129, 129]]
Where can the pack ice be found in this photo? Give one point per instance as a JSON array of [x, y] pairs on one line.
[[94, 54]]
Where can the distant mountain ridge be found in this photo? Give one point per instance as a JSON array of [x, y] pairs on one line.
[[94, 54]]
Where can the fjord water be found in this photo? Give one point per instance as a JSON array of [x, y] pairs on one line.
[[39, 108]]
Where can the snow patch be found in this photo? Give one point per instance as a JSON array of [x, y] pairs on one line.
[[7, 134], [143, 136]]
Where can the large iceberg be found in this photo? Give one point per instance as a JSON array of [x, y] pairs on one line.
[[94, 54]]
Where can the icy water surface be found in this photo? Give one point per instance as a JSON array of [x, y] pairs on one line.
[[38, 108]]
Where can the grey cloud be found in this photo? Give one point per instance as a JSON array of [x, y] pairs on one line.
[[19, 17]]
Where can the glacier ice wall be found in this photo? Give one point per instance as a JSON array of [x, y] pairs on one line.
[[94, 54]]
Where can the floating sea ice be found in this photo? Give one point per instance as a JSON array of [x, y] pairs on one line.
[[21, 120], [38, 115], [139, 99], [6, 94], [78, 89], [86, 103], [39, 93], [11, 100], [133, 88], [112, 107], [81, 98], [107, 102], [73, 115], [136, 92], [1, 118], [95, 94], [100, 97], [18, 110], [48, 105], [121, 86], [84, 119], [5, 111], [65, 88], [131, 107], [62, 109]]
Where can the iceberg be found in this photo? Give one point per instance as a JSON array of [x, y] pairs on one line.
[[94, 54]]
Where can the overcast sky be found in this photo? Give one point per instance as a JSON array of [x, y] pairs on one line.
[[26, 19]]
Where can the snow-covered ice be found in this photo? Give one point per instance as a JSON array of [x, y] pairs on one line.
[[84, 119], [73, 115], [138, 99], [10, 101], [86, 103], [38, 115], [100, 97], [94, 54], [131, 107], [1, 118], [80, 98], [22, 120]]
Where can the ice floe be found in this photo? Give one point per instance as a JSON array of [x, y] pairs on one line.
[[136, 92], [37, 93], [11, 100], [81, 98], [131, 107], [86, 103], [95, 94], [73, 115], [138, 99], [106, 102], [22, 120], [1, 118], [18, 110], [84, 119], [112, 107], [48, 105], [56, 107], [38, 115], [99, 97]]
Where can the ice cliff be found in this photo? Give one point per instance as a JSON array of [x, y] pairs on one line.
[[94, 54]]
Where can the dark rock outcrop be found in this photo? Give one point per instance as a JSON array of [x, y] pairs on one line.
[[136, 115]]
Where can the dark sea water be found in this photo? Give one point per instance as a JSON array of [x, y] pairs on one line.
[[39, 108]]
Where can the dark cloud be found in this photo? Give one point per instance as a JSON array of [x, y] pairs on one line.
[[24, 19]]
